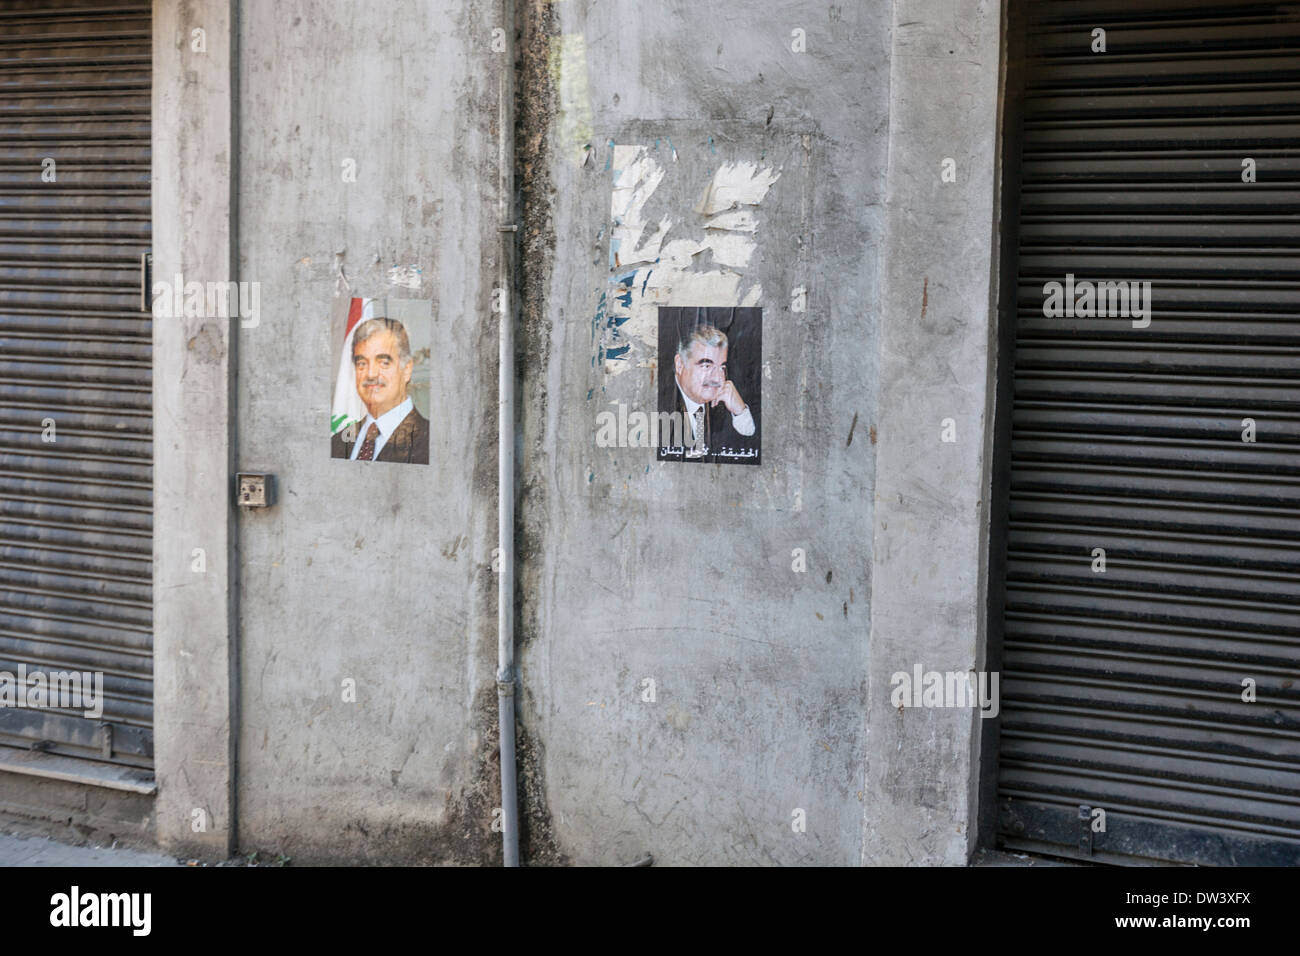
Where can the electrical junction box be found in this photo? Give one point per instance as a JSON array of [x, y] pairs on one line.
[[252, 490]]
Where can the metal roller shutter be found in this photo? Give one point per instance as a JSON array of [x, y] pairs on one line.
[[76, 512], [1123, 690]]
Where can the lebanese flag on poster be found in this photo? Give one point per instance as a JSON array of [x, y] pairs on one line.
[[347, 409]]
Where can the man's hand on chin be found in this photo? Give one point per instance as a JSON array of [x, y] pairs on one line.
[[729, 397]]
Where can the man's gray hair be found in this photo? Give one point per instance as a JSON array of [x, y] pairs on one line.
[[374, 326], [707, 335]]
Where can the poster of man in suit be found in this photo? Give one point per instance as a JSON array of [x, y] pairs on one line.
[[381, 393], [711, 361]]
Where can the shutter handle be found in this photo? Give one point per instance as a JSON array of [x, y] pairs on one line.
[[146, 267]]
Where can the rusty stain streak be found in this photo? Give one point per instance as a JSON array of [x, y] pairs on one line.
[[872, 433], [925, 295]]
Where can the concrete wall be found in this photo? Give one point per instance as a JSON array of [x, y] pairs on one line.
[[377, 573], [75, 812], [936, 362], [771, 701], [684, 573], [195, 572]]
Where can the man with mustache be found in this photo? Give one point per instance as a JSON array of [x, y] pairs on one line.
[[702, 386], [392, 430]]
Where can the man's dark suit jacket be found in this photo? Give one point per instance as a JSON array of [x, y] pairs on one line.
[[408, 443], [718, 432]]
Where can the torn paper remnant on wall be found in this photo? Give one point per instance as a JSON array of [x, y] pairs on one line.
[[698, 256]]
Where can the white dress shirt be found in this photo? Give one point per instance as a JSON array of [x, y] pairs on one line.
[[742, 423], [387, 423]]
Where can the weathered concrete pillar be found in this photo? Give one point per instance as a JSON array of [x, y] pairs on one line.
[[195, 693], [928, 588]]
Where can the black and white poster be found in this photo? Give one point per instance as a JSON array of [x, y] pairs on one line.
[[712, 362]]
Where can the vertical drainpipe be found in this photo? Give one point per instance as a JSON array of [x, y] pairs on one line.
[[506, 447]]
